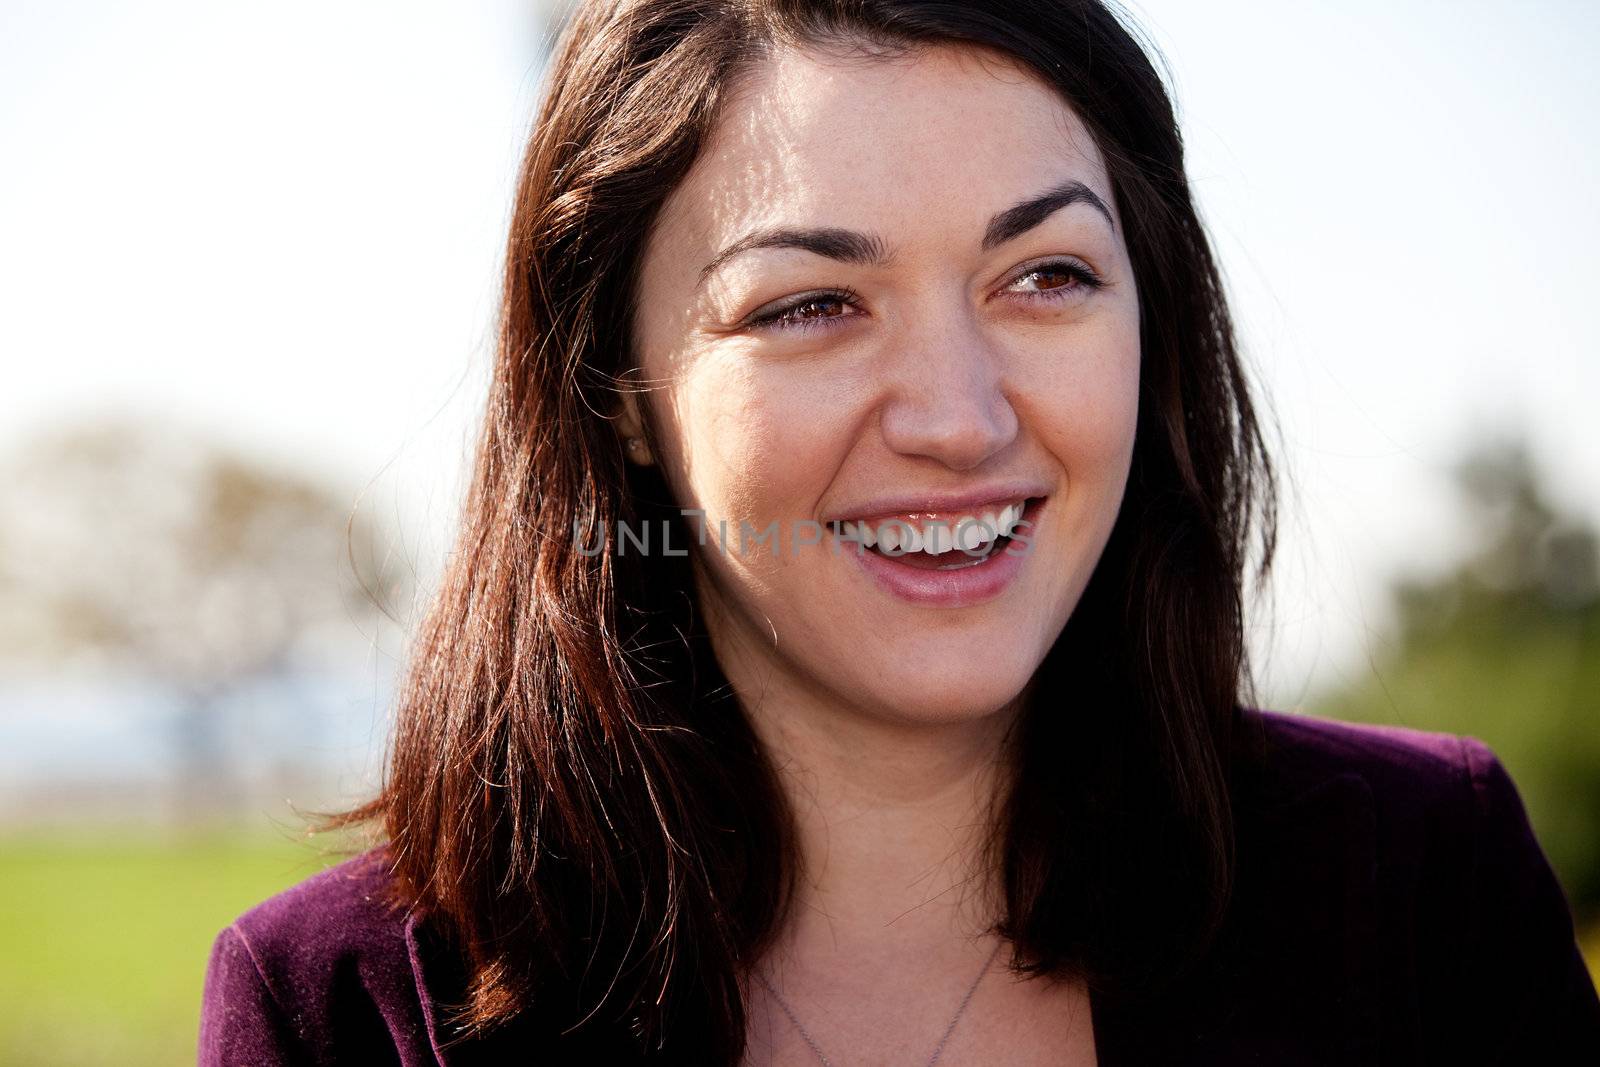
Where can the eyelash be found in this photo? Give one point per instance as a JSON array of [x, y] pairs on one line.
[[1082, 276]]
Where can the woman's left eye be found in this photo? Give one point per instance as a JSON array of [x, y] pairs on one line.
[[1066, 278]]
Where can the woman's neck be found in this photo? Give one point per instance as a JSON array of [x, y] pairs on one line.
[[891, 813], [891, 821]]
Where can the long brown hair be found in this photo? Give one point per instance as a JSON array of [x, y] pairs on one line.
[[573, 796]]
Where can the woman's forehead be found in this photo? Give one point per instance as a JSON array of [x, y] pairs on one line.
[[807, 136]]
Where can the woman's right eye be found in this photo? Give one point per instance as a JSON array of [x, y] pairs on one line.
[[806, 313]]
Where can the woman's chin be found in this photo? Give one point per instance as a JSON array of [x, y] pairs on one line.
[[952, 697]]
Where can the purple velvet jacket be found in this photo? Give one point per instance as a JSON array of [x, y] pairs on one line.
[[1393, 907]]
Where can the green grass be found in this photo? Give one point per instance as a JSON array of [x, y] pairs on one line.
[[104, 937]]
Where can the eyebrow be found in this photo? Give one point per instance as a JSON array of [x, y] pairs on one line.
[[1015, 221], [866, 249]]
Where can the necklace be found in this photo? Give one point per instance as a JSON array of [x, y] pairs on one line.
[[938, 1049]]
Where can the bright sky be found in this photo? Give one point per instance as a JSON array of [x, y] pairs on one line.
[[283, 222]]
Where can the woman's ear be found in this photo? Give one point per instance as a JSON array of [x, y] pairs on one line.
[[631, 427]]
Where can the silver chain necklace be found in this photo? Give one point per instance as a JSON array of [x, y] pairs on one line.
[[938, 1049]]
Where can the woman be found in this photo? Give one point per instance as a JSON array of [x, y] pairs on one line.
[[842, 657]]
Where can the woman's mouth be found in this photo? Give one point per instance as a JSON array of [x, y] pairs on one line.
[[943, 561], [938, 542]]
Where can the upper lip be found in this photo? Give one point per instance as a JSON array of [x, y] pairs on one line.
[[963, 501]]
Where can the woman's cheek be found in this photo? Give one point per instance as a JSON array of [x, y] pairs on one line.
[[741, 439], [710, 404], [1085, 394]]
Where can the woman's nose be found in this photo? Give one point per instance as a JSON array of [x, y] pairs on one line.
[[945, 396]]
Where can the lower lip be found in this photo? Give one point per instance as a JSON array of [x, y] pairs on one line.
[[959, 588]]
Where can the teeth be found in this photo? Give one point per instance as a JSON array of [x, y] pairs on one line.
[[969, 532], [974, 535], [859, 531]]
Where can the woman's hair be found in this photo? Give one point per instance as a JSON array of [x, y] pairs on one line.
[[573, 796]]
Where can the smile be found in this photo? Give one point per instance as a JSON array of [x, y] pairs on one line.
[[944, 560], [935, 535]]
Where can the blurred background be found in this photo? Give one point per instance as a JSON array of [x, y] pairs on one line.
[[249, 256]]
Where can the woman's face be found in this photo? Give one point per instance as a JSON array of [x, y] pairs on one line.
[[891, 289]]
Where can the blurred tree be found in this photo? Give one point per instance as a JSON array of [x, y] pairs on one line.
[[143, 548], [1505, 645]]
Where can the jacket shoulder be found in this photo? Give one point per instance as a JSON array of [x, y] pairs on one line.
[[1404, 768], [342, 912], [317, 972], [1465, 915]]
